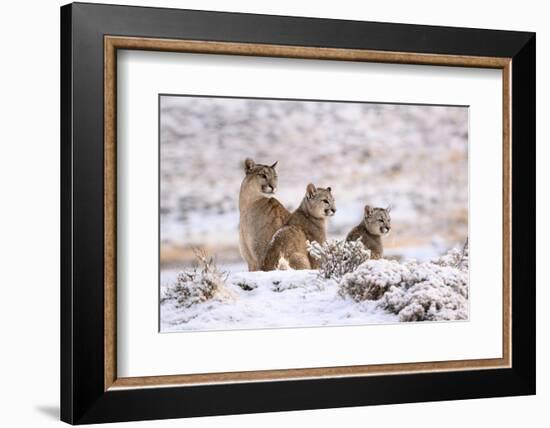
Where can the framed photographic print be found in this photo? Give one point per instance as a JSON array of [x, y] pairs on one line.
[[265, 213]]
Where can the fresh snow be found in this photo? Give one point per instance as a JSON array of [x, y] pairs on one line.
[[278, 299], [348, 289]]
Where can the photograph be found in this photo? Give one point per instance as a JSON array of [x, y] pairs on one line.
[[282, 213]]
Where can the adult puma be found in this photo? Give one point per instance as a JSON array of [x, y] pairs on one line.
[[261, 215]]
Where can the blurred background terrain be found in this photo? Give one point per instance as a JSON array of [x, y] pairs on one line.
[[413, 157]]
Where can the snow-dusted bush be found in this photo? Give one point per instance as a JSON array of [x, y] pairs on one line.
[[198, 285], [280, 286], [245, 285], [372, 279], [433, 291], [455, 258], [338, 257]]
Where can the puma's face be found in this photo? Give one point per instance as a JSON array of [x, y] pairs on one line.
[[319, 202], [377, 220], [262, 177]]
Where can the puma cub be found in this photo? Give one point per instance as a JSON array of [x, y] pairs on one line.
[[376, 223], [307, 223], [261, 215]]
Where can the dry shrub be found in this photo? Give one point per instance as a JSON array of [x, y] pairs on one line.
[[338, 257], [429, 291], [199, 285]]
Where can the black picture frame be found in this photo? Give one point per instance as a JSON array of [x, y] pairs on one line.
[[83, 398]]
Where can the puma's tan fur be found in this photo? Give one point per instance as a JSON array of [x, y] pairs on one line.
[[307, 223], [376, 223], [261, 215]]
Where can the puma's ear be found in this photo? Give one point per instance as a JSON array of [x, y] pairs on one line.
[[388, 209], [275, 164], [248, 165], [310, 190], [329, 189], [368, 210]]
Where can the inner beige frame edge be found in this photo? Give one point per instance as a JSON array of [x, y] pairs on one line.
[[112, 43]]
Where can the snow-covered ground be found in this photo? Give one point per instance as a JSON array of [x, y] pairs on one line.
[[271, 299], [348, 289]]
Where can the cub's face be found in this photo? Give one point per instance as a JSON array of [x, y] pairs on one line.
[[319, 202], [377, 220], [262, 177]]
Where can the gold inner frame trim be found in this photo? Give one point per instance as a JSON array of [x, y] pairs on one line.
[[113, 43]]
